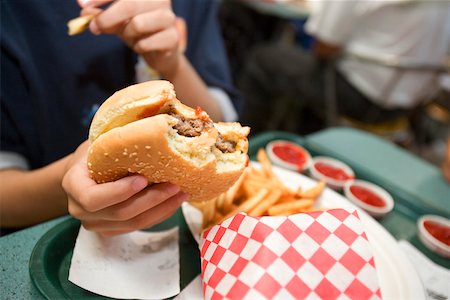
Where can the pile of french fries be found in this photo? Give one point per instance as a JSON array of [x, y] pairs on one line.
[[259, 192]]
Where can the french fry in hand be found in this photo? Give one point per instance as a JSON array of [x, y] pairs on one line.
[[78, 25]]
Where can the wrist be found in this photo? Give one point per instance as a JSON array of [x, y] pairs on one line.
[[171, 72]]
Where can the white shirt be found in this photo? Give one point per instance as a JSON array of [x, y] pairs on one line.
[[414, 32]]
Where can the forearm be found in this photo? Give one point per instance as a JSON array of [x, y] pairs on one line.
[[191, 89], [325, 50], [30, 197]]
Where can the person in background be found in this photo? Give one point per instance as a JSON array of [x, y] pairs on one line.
[[385, 55], [388, 53], [446, 162], [52, 84]]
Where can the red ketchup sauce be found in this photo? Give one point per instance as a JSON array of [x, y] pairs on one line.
[[367, 196], [331, 171], [440, 232], [290, 154]]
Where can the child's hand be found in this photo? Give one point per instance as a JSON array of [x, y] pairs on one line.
[[148, 27], [117, 207]]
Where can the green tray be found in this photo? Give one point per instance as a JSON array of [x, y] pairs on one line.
[[401, 222], [50, 259]]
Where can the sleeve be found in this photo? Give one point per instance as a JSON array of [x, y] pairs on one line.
[[205, 46], [333, 21], [15, 113], [226, 106], [12, 87], [13, 160]]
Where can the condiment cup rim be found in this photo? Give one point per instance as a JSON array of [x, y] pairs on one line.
[[334, 162], [379, 211], [426, 234], [282, 163]]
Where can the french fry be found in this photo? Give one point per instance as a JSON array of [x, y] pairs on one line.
[[78, 25], [264, 205], [313, 192], [250, 190], [208, 212], [257, 174], [261, 156], [290, 207], [217, 217], [259, 192], [287, 198], [314, 209], [249, 204], [220, 201], [233, 191]]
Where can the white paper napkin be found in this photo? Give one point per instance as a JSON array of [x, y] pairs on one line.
[[193, 291], [435, 278], [138, 265]]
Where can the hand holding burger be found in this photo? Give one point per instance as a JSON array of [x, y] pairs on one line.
[[118, 207], [143, 135]]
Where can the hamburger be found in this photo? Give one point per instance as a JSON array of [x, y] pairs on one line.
[[144, 129]]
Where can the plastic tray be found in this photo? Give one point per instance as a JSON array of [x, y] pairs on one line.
[[50, 260]]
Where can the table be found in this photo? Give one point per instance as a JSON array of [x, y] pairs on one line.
[[15, 251], [16, 248]]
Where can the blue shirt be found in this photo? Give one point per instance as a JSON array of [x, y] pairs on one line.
[[52, 83]]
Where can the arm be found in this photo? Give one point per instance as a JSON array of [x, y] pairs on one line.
[[128, 204], [149, 28], [192, 90], [446, 162], [30, 197], [325, 51]]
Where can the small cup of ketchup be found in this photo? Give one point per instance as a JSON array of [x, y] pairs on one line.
[[434, 232], [375, 200], [334, 172], [288, 155]]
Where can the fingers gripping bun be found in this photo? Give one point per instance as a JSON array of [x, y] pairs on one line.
[[144, 129]]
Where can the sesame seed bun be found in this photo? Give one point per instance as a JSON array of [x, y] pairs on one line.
[[134, 132]]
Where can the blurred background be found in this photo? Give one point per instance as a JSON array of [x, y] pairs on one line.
[[380, 66]]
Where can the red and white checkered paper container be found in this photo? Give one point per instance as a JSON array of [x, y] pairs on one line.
[[317, 255]]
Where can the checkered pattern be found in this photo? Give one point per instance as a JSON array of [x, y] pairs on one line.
[[319, 255]]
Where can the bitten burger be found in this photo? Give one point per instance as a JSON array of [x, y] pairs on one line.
[[144, 129]]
